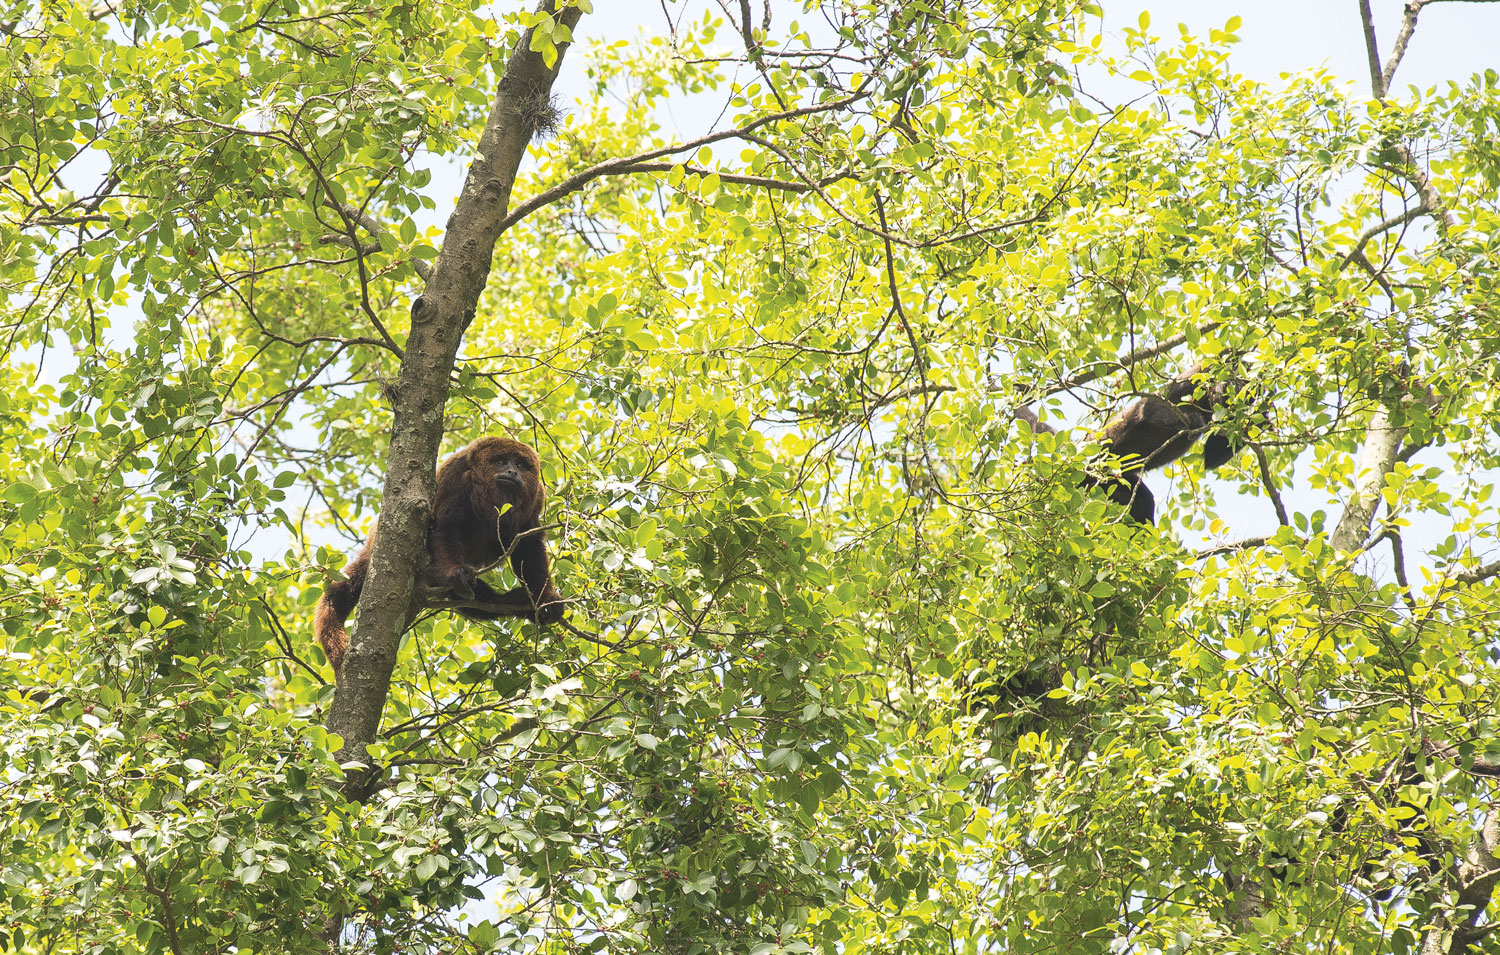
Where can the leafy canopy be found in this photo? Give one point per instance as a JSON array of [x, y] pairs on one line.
[[855, 664]]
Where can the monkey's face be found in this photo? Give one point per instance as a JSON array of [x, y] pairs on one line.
[[511, 470], [512, 473]]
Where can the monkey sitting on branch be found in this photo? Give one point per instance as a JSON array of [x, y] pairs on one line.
[[1156, 430], [487, 506]]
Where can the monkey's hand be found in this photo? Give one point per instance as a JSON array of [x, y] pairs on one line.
[[550, 608], [457, 582]]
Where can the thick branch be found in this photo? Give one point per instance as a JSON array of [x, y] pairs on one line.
[[439, 320], [1372, 50], [1249, 898], [1477, 877], [1478, 766], [1269, 483], [1408, 24], [1478, 573], [1375, 461], [506, 609]]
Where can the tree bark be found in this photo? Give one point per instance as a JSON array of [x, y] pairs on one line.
[[1458, 929], [439, 319], [1375, 461]]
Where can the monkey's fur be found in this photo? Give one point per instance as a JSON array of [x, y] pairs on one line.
[[1155, 431], [471, 529]]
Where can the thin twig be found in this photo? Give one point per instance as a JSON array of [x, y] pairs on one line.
[[1270, 485], [1415, 212], [738, 178]]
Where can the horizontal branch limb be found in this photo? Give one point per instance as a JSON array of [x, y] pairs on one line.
[[738, 178], [1144, 353], [578, 180], [1483, 572], [1233, 546]]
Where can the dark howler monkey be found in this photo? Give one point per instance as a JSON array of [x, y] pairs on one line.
[[1159, 429], [1155, 431], [471, 529]]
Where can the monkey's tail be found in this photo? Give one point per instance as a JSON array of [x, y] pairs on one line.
[[334, 608]]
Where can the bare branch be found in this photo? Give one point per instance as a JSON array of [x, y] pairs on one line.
[[374, 226], [1408, 24], [1233, 546], [1364, 262], [738, 178], [1128, 360], [914, 392], [1372, 50], [1415, 212], [1269, 484], [499, 609], [578, 180]]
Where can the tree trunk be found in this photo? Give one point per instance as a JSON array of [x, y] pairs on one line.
[[1375, 461], [1476, 877], [439, 319]]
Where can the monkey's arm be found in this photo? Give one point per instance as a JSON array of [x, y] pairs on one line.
[[1141, 501], [1128, 490], [497, 604], [1038, 426], [449, 569], [528, 558], [487, 603], [1217, 451]]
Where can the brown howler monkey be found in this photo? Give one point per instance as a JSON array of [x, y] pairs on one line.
[[1155, 431], [471, 529]]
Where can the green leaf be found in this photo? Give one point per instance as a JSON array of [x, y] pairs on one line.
[[427, 868]]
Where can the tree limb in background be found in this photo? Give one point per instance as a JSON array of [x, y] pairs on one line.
[[632, 163], [1383, 443], [1456, 926]]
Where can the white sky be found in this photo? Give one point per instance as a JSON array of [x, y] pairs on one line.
[[1452, 41]]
